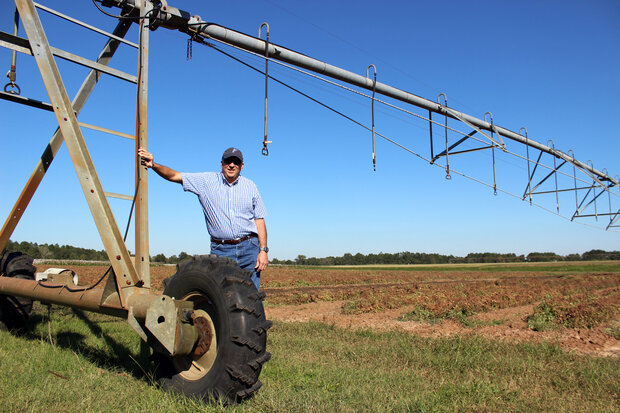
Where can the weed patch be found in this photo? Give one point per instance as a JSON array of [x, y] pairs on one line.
[[421, 314], [613, 331], [544, 316], [586, 310]]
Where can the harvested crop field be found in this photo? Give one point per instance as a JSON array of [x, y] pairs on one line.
[[576, 305]]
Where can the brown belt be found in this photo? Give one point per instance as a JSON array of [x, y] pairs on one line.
[[233, 241]]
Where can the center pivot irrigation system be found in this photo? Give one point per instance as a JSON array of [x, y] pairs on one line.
[[208, 329]]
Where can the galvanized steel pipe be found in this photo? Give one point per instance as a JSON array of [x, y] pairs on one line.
[[173, 18]]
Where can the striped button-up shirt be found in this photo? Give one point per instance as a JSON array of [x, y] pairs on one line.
[[230, 209]]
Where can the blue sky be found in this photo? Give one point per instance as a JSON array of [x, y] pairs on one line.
[[550, 66]]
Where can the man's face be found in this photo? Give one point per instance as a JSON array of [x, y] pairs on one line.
[[231, 168]]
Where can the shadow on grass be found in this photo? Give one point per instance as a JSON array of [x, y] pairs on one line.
[[117, 357]]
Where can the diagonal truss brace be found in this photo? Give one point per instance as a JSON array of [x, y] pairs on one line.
[[457, 115], [21, 45], [554, 171], [579, 210], [55, 143], [457, 143], [109, 232]]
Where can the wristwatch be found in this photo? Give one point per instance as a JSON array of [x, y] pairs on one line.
[[266, 249]]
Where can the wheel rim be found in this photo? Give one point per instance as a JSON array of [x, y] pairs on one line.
[[191, 367]]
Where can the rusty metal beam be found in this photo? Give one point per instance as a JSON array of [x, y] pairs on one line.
[[143, 261], [161, 315], [52, 293], [52, 148], [21, 45], [96, 299], [109, 232]]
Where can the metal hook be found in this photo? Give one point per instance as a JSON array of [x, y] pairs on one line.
[[555, 174], [374, 86], [589, 161], [490, 115], [492, 150], [572, 155], [445, 103], [260, 28], [16, 89], [374, 69], [492, 125], [527, 156], [12, 87], [606, 172], [265, 150]]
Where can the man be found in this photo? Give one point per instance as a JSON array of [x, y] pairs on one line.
[[234, 211]]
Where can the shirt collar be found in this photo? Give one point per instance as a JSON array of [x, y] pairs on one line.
[[226, 181]]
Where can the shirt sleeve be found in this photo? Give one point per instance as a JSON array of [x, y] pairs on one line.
[[260, 212], [193, 182]]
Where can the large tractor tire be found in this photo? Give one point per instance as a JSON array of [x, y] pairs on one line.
[[15, 311], [223, 294]]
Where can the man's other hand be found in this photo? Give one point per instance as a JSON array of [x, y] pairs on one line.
[[261, 261]]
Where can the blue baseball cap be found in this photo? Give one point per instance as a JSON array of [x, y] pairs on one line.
[[232, 152]]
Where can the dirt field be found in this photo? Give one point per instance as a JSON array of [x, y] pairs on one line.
[[439, 303]]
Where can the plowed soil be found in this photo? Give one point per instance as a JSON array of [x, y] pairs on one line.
[[436, 303]]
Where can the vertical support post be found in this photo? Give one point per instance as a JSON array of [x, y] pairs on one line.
[[124, 271], [142, 260]]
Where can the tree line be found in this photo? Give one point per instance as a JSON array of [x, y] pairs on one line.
[[69, 252], [404, 258]]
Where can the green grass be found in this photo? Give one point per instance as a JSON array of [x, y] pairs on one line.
[[77, 361]]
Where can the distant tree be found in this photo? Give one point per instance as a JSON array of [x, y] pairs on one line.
[[594, 255], [543, 257], [159, 258]]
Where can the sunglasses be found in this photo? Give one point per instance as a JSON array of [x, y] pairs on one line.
[[232, 159]]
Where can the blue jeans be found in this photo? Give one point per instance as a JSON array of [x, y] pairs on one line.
[[244, 253]]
